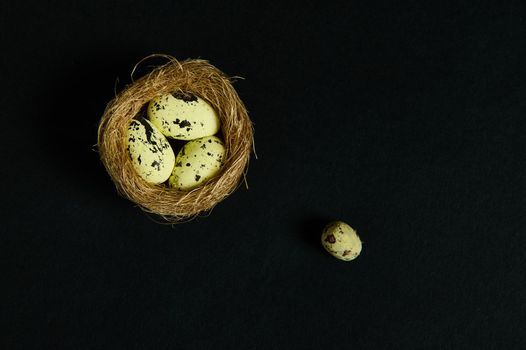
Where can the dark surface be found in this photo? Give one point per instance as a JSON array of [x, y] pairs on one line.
[[405, 120]]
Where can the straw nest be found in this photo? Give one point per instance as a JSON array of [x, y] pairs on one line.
[[202, 79]]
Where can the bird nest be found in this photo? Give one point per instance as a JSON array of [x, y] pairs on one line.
[[202, 79]]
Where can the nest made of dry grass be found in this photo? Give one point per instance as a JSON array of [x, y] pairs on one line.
[[198, 77]]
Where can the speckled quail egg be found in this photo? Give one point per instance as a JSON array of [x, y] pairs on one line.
[[341, 241], [151, 154], [183, 116], [198, 161]]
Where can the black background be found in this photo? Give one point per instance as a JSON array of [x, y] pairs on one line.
[[403, 119]]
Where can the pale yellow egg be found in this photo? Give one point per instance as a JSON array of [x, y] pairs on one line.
[[341, 241], [151, 154], [183, 116], [197, 162]]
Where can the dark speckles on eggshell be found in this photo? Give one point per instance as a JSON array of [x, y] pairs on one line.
[[186, 97], [148, 130], [156, 165], [184, 123], [134, 123], [197, 177], [330, 239]]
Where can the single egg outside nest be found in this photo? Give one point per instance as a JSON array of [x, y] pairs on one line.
[[341, 241]]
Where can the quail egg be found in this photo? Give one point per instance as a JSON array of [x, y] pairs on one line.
[[341, 241], [183, 116], [197, 162], [151, 154]]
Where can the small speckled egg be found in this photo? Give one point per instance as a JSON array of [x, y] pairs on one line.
[[198, 161], [183, 116], [341, 241], [151, 154]]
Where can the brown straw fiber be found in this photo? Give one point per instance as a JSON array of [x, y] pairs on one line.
[[204, 80]]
